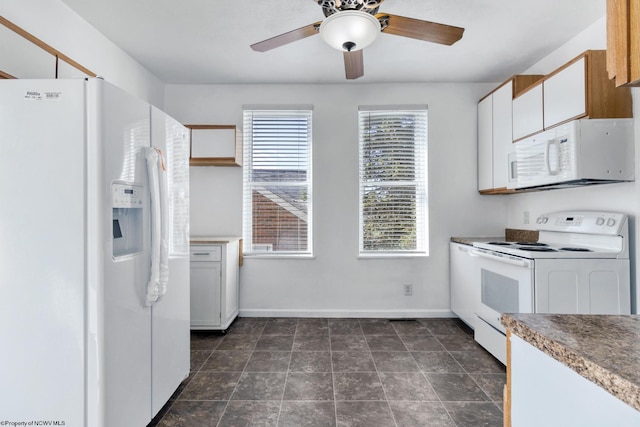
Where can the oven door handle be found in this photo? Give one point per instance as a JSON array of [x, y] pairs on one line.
[[506, 260]]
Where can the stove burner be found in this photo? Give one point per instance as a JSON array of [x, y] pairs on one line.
[[499, 243], [536, 249], [576, 249], [531, 244]]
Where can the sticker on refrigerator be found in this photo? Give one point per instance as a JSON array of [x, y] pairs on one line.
[[42, 96]]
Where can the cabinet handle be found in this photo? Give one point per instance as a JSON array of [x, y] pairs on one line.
[[201, 253]]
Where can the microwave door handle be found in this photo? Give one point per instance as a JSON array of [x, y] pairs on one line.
[[547, 156]]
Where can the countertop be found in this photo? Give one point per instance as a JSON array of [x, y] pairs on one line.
[[469, 240], [605, 349]]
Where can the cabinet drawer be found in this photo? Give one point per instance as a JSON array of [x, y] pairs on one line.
[[206, 253]]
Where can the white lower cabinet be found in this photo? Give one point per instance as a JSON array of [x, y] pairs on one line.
[[214, 283], [465, 282], [545, 392]]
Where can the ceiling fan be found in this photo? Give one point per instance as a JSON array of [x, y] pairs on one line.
[[351, 25]]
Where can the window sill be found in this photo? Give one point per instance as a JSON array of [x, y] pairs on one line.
[[389, 255], [275, 256]]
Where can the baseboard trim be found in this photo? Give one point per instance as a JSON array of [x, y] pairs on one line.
[[381, 314]]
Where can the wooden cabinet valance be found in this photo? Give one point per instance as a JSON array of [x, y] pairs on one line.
[[623, 41]]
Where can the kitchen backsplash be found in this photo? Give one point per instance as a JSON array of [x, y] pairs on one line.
[[515, 235]]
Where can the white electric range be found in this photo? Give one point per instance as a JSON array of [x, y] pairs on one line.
[[580, 265]]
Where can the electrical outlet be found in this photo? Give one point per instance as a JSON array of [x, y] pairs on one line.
[[408, 289], [525, 217]]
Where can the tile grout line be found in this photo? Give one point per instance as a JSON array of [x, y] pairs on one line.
[[439, 398], [243, 370], [429, 382], [470, 374], [333, 376], [286, 377], [386, 398]]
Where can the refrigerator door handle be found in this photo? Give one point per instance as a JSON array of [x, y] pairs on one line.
[[157, 285]]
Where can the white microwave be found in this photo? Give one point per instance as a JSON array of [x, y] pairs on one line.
[[580, 152]]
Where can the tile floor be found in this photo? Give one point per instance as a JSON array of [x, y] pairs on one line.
[[338, 372]]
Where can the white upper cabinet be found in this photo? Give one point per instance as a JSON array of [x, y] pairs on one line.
[[579, 89], [495, 134], [527, 113], [485, 144], [502, 134], [565, 94]]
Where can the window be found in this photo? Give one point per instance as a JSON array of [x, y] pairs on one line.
[[177, 162], [393, 180], [277, 182]]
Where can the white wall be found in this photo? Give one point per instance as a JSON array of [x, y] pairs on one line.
[[54, 23], [622, 197], [336, 282]]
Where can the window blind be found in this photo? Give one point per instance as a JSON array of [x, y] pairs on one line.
[[393, 181], [177, 163], [277, 182]]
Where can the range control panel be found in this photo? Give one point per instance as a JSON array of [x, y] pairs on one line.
[[126, 195], [589, 222]]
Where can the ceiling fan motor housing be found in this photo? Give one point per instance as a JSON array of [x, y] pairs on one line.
[[329, 7]]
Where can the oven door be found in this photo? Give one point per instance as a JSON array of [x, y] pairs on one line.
[[506, 286]]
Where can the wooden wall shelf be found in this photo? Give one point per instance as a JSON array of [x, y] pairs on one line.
[[215, 145]]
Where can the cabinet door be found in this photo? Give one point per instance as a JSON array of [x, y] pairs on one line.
[[544, 392], [527, 113], [230, 283], [205, 293], [502, 134], [464, 282], [565, 94], [485, 144]]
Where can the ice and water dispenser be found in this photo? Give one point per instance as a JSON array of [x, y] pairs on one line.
[[127, 203]]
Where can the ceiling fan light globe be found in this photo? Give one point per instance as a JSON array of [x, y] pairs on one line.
[[350, 27]]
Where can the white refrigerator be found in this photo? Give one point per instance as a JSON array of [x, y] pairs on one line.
[[94, 255]]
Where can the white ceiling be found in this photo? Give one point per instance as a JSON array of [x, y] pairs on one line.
[[207, 41]]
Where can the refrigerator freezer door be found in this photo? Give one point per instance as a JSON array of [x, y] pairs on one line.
[[42, 250], [170, 331], [122, 132]]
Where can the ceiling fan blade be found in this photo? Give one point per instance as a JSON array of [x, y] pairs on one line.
[[286, 38], [421, 30], [353, 64]]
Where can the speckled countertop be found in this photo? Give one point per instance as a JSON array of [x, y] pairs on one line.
[[469, 240], [605, 349]]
